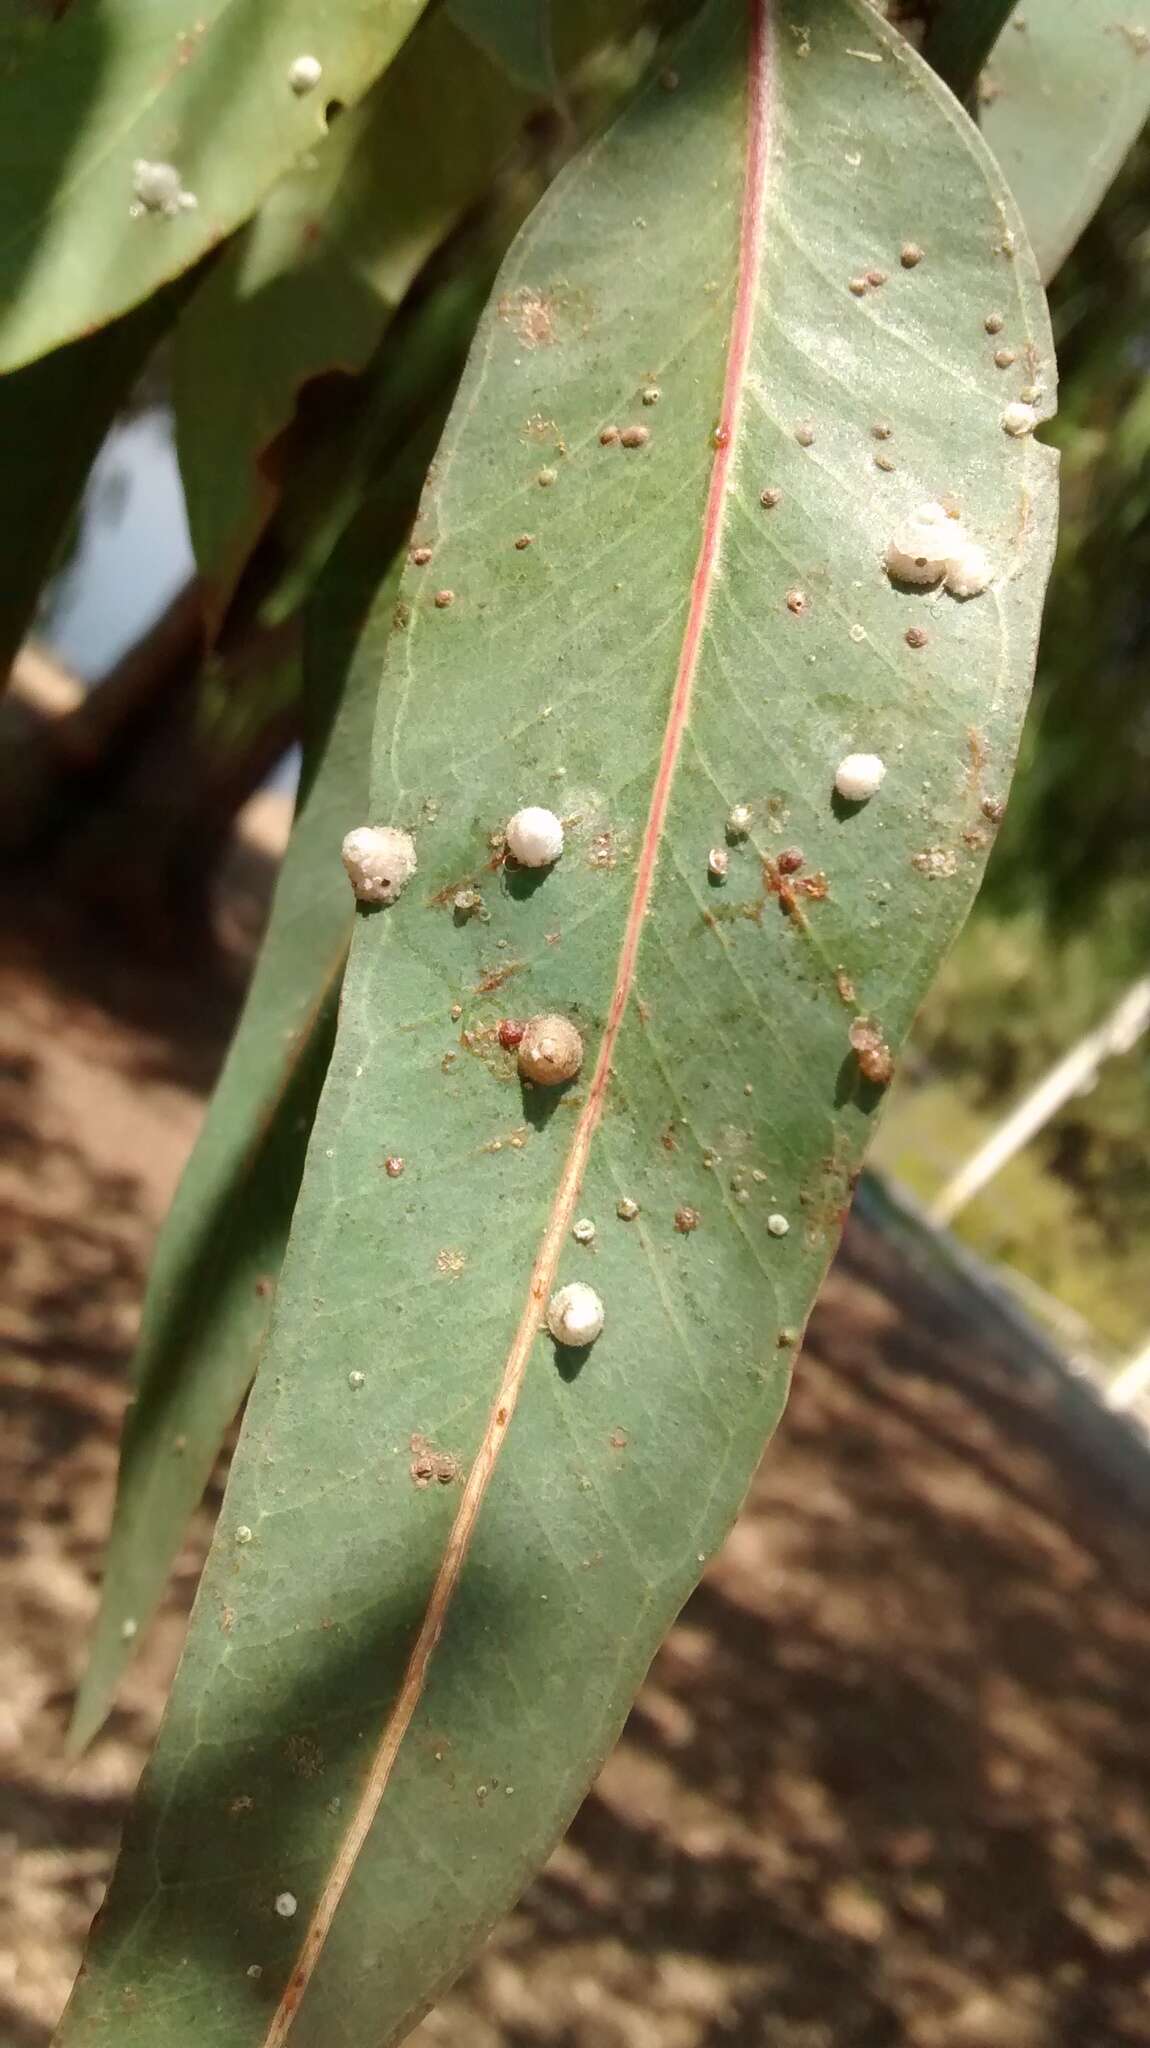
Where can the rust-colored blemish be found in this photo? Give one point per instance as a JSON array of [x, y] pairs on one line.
[[872, 1052], [496, 976], [845, 986], [977, 749], [531, 314], [777, 881]]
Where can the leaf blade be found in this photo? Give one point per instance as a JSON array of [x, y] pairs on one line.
[[213, 1275], [620, 1478], [1065, 96], [124, 82]]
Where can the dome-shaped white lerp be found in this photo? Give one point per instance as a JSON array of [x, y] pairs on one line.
[[575, 1315], [534, 837], [859, 776]]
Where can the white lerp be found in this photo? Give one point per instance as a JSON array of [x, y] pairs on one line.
[[575, 1315], [534, 837]]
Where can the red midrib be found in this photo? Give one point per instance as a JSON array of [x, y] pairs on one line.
[[563, 1207]]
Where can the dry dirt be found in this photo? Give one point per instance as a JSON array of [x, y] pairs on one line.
[[888, 1781]]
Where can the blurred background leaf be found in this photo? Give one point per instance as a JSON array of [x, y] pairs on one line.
[[1065, 94]]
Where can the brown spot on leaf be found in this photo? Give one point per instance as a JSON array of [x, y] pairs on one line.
[[304, 1756], [496, 976], [686, 1220], [531, 314], [871, 1051], [429, 1464]]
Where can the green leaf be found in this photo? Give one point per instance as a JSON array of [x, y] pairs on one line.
[[312, 282], [448, 1552], [206, 91], [219, 1253], [1065, 95]]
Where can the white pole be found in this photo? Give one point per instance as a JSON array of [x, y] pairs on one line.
[[1133, 1380], [1078, 1070]]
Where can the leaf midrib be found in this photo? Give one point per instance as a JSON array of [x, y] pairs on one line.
[[759, 50]]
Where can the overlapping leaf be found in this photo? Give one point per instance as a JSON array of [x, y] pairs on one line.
[[217, 1261], [205, 90], [615, 622], [1065, 94], [311, 283]]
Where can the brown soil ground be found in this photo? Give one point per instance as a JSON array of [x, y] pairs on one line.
[[888, 1781]]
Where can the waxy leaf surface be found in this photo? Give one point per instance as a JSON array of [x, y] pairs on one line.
[[449, 1551]]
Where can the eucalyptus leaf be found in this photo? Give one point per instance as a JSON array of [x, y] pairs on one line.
[[1065, 94], [203, 95], [312, 282], [217, 1261], [647, 590]]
